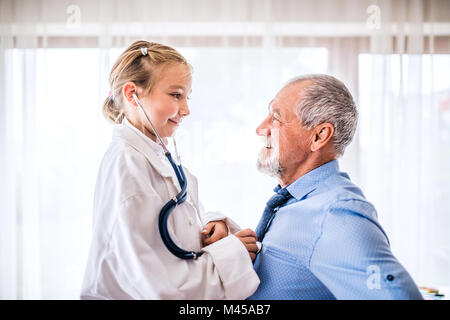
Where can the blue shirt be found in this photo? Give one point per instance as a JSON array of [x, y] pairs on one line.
[[326, 243]]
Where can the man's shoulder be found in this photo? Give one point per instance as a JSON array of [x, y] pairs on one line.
[[346, 207], [342, 185], [344, 195]]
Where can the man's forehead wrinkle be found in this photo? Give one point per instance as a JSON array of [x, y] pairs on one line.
[[289, 97], [280, 107], [276, 103]]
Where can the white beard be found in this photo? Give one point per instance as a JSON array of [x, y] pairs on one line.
[[269, 157]]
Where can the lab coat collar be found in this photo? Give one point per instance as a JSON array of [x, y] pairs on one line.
[[152, 150], [311, 180]]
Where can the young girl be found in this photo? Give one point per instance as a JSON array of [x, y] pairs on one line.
[[128, 259]]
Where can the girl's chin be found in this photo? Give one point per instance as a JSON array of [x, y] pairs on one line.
[[170, 130]]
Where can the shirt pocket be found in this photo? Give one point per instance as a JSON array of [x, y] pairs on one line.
[[279, 255]]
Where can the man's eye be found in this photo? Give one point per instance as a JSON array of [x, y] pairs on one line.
[[275, 119]]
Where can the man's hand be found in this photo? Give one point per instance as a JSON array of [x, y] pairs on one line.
[[248, 238], [214, 231]]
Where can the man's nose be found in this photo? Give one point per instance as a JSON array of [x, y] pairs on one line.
[[263, 129]]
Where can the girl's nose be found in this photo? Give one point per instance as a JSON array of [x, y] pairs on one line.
[[184, 110]]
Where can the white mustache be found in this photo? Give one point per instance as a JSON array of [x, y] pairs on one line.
[[268, 161], [267, 141]]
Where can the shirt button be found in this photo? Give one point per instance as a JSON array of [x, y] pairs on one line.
[[390, 277], [191, 221]]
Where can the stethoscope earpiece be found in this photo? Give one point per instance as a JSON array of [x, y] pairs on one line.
[[136, 99]]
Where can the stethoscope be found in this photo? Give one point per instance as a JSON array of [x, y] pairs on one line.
[[176, 200]]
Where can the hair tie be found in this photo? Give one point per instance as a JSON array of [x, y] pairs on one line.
[[144, 51], [110, 95]]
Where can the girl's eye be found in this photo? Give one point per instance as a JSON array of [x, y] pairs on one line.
[[176, 95]]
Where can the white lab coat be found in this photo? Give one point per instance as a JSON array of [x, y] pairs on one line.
[[127, 258]]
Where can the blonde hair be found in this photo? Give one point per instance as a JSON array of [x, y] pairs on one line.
[[143, 70]]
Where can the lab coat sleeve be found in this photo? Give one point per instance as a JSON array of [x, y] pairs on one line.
[[145, 269], [352, 257], [227, 254]]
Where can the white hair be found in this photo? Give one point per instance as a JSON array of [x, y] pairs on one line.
[[327, 100]]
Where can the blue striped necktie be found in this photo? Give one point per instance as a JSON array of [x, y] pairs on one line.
[[277, 200]]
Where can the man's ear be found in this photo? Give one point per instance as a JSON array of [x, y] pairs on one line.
[[128, 89], [322, 134]]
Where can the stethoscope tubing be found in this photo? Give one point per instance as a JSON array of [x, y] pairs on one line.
[[167, 210], [173, 203]]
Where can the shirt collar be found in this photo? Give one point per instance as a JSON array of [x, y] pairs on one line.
[[309, 182], [151, 150], [156, 147]]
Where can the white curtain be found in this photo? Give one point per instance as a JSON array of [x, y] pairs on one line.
[[404, 130], [55, 58]]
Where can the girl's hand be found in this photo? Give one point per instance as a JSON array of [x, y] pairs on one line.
[[214, 231]]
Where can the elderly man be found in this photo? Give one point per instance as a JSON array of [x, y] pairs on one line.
[[320, 237]]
